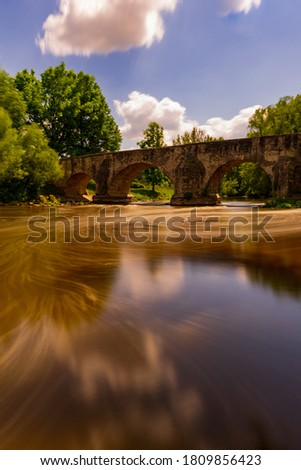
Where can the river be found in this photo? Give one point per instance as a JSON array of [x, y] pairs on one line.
[[170, 329]]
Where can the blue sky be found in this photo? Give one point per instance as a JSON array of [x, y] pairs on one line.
[[181, 63]]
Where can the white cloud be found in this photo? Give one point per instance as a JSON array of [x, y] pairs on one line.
[[84, 27], [238, 6], [232, 128], [141, 109]]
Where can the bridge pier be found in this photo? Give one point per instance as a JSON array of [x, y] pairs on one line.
[[287, 179]]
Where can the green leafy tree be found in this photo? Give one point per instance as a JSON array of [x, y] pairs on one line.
[[247, 179], [71, 110], [229, 186], [153, 138], [282, 118], [11, 100], [195, 136], [154, 177], [40, 163], [26, 160], [31, 89], [11, 154], [11, 151], [5, 122], [254, 182]]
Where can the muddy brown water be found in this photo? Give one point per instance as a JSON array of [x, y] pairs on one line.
[[114, 342]]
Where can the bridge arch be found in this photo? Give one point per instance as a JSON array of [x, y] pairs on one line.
[[76, 185], [222, 170], [120, 184]]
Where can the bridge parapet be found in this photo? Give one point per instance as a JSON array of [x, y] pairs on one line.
[[194, 169]]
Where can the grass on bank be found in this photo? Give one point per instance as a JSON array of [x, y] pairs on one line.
[[146, 194], [283, 203], [141, 191]]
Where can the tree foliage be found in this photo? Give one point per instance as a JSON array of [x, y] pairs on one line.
[[282, 118], [11, 151], [11, 100], [153, 136], [31, 89], [195, 136], [154, 177], [247, 179], [71, 110], [26, 160], [40, 162]]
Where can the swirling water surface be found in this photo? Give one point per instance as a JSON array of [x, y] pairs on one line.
[[150, 345]]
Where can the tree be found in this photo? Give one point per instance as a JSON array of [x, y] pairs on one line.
[[26, 160], [282, 118], [11, 100], [246, 179], [31, 89], [154, 176], [229, 185], [71, 110], [11, 152], [153, 136], [40, 163], [195, 136], [254, 181]]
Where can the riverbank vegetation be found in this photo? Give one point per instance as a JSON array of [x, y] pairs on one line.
[[246, 180], [60, 114], [141, 190], [26, 160], [283, 203]]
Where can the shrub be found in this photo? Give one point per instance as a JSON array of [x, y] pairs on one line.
[[283, 203]]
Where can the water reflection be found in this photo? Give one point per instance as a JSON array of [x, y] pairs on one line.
[[56, 280], [151, 346]]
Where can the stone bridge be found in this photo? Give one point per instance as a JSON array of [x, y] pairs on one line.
[[194, 169]]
